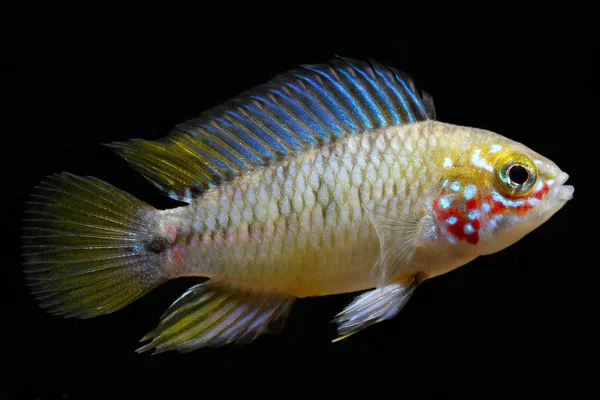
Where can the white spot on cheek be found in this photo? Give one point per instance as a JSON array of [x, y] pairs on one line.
[[495, 148], [496, 219], [550, 182], [469, 229], [473, 214], [445, 202], [486, 207], [477, 161], [452, 220], [469, 192], [508, 203], [447, 162], [455, 186]]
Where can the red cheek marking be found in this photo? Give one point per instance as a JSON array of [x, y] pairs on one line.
[[542, 192], [457, 230], [472, 204], [496, 208], [499, 208], [473, 238]]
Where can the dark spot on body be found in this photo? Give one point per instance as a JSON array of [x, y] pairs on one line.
[[157, 245], [195, 191]]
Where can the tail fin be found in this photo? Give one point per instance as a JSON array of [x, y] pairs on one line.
[[90, 248]]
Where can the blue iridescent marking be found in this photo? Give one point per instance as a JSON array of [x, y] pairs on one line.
[[297, 115], [445, 202], [371, 107], [506, 202], [233, 118], [253, 124], [277, 127], [495, 148], [469, 229], [272, 127], [174, 195], [231, 142], [254, 129], [399, 96], [469, 192], [350, 100], [414, 98], [331, 105], [319, 116], [455, 186], [304, 107], [378, 92], [451, 220]]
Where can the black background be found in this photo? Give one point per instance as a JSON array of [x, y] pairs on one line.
[[507, 325]]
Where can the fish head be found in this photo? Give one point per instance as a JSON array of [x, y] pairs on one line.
[[522, 190], [498, 191], [526, 189]]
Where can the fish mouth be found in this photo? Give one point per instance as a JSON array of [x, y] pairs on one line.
[[559, 190], [558, 195]]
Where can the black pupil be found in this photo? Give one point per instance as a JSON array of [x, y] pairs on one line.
[[518, 174]]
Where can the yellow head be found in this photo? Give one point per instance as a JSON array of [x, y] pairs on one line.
[[495, 191]]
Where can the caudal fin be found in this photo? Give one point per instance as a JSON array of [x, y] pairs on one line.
[[89, 248]]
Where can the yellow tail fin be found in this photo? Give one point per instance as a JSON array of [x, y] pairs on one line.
[[89, 248]]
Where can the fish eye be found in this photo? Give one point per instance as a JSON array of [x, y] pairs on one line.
[[517, 174]]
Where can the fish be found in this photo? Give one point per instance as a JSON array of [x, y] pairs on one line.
[[329, 178]]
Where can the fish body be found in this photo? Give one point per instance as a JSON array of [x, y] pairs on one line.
[[302, 226], [329, 179]]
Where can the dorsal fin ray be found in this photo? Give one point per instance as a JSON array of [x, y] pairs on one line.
[[303, 108]]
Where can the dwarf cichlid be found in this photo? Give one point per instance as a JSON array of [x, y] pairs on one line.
[[330, 178]]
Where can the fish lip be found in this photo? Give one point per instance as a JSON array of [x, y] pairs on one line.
[[560, 179], [559, 190], [557, 197]]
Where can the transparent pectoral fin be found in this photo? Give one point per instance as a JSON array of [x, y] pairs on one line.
[[373, 306], [399, 235]]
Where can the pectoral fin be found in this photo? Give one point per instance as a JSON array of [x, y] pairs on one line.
[[212, 314], [399, 235], [373, 306]]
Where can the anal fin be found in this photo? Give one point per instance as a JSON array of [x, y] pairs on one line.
[[373, 306], [212, 314]]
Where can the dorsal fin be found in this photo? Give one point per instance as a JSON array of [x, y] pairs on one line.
[[297, 110]]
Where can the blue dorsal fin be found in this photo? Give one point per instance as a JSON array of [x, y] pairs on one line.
[[300, 109]]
